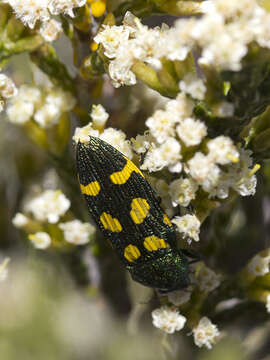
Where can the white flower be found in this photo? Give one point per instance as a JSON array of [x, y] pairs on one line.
[[168, 154], [232, 8], [268, 303], [57, 7], [204, 171], [206, 278], [19, 220], [76, 232], [168, 319], [40, 240], [179, 297], [30, 11], [191, 131], [50, 30], [48, 206], [226, 57], [47, 115], [161, 125], [19, 112], [111, 37], [7, 87], [188, 225], [82, 134], [222, 150], [61, 99], [205, 333], [21, 107], [259, 264], [99, 116], [247, 185], [141, 143], [193, 86], [182, 191], [182, 107], [4, 269], [120, 73], [117, 139]]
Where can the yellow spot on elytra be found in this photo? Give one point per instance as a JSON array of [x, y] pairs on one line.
[[92, 189], [132, 253], [122, 176], [139, 210], [166, 220], [110, 223], [153, 243]]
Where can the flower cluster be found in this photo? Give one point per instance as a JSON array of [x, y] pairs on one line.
[[233, 26], [168, 319], [30, 11], [205, 333], [48, 208], [116, 138], [7, 89], [44, 105], [259, 264]]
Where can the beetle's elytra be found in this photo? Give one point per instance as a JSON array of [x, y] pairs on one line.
[[127, 210]]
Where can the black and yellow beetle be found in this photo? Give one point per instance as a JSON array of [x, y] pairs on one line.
[[127, 210]]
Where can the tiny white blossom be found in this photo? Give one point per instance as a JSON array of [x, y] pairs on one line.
[[57, 7], [193, 86], [247, 185], [99, 116], [30, 11], [168, 154], [121, 73], [40, 240], [222, 150], [204, 171], [117, 138], [206, 278], [182, 106], [76, 232], [7, 87], [19, 112], [61, 99], [49, 206], [189, 226], [50, 30], [268, 303], [141, 143], [47, 115], [4, 269], [161, 125], [111, 37], [19, 220], [191, 131], [168, 319], [182, 191], [82, 133], [231, 8], [21, 107], [179, 297], [205, 333], [259, 264]]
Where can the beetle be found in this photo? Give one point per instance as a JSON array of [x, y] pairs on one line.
[[127, 210]]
